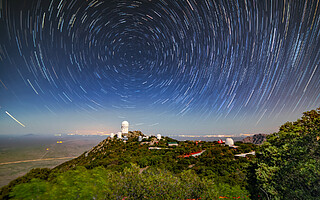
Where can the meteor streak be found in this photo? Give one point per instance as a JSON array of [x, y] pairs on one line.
[[15, 119]]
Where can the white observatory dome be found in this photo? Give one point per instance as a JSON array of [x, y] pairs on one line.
[[125, 127], [229, 142], [158, 136], [125, 123]]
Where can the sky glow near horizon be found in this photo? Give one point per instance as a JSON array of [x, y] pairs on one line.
[[170, 67]]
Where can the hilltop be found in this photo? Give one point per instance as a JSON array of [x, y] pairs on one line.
[[204, 159]]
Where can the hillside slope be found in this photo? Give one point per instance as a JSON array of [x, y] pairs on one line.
[[116, 156]]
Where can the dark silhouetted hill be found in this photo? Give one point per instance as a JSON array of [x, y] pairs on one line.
[[256, 139]]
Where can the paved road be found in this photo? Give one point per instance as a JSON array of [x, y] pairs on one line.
[[35, 160]]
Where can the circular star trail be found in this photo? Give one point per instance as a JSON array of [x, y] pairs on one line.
[[214, 59]]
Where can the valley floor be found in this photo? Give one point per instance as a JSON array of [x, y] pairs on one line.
[[18, 155]]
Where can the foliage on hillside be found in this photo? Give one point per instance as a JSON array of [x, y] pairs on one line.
[[289, 163], [216, 163], [37, 173], [100, 183]]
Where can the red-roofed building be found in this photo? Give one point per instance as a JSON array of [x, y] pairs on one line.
[[194, 154], [220, 142]]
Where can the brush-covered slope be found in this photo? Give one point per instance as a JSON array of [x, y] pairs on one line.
[[217, 163]]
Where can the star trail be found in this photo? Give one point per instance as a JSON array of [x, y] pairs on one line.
[[188, 66]]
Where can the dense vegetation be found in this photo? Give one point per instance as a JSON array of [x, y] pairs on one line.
[[289, 163], [217, 167], [286, 166], [217, 161], [100, 183]]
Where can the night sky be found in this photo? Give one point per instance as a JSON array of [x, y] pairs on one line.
[[166, 66]]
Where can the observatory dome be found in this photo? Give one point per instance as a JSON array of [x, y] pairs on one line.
[[125, 123], [229, 142]]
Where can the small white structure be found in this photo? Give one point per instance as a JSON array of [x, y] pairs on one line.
[[119, 135], [111, 135], [245, 154], [158, 136], [125, 127], [145, 137], [140, 138], [229, 142]]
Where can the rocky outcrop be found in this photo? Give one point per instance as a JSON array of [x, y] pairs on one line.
[[256, 139], [135, 134]]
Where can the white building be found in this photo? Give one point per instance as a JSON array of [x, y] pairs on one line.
[[125, 127], [119, 135], [245, 154], [145, 137], [158, 136], [229, 142], [111, 135]]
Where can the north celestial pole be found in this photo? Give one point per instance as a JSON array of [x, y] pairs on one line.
[[195, 67]]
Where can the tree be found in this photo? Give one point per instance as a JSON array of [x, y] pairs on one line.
[[36, 173], [28, 191], [288, 165]]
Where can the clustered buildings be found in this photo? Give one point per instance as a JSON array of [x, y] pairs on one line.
[[124, 134]]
